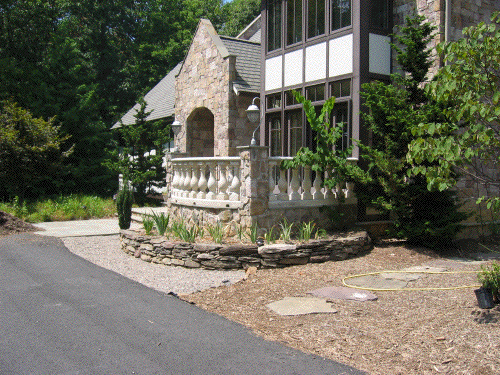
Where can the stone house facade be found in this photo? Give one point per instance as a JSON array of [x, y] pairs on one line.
[[318, 47]]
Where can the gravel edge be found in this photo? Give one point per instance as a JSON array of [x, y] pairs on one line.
[[105, 252]]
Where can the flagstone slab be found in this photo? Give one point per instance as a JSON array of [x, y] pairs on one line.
[[376, 282], [402, 276], [301, 306], [344, 293]]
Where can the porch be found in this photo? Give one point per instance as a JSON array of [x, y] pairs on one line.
[[251, 189]]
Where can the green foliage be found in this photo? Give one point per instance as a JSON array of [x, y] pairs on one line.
[[30, 151], [140, 158], [253, 233], [148, 224], [306, 230], [469, 85], [61, 208], [423, 217], [489, 277], [216, 231], [161, 222], [270, 236], [326, 158], [286, 230], [238, 14], [124, 200]]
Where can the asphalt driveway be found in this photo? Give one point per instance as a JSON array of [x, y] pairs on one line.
[[60, 314]]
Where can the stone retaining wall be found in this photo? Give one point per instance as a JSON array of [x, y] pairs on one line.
[[234, 256]]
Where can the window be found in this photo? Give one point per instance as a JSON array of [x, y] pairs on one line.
[[293, 21], [379, 17], [274, 25], [341, 116], [274, 126], [341, 89], [273, 101], [294, 122], [315, 93], [316, 18], [290, 98], [341, 14]]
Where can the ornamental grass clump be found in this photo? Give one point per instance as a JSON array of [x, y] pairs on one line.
[[216, 231], [161, 222]]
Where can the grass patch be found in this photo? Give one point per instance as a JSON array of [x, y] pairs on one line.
[[62, 208]]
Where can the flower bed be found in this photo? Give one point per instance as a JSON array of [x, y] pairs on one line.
[[236, 256]]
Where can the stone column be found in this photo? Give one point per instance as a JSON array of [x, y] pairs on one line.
[[254, 190]]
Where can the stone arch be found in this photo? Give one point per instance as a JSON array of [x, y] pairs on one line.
[[200, 133]]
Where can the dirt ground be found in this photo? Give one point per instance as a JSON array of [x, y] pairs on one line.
[[403, 332], [10, 224]]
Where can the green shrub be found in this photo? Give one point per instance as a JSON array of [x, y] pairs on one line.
[[124, 201]]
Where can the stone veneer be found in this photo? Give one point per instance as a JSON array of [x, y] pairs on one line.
[[236, 256], [464, 13], [213, 116]]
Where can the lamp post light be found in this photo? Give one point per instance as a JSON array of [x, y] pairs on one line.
[[253, 114], [176, 128]]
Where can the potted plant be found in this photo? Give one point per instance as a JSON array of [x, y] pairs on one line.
[[489, 276]]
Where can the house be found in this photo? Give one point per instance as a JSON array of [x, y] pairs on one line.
[[317, 47]]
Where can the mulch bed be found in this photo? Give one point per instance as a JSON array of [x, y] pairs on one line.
[[10, 224]]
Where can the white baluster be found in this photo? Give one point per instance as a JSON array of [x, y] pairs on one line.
[[350, 190], [235, 185], [193, 184], [202, 183], [294, 186], [175, 180], [328, 192], [282, 186], [182, 175], [306, 184], [339, 193], [222, 196], [212, 183], [272, 180], [187, 181], [318, 194]]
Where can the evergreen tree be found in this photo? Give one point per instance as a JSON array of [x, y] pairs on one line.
[[140, 155], [423, 217]]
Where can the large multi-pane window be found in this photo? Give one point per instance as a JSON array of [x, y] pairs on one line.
[[379, 15], [341, 14], [275, 133], [293, 21], [315, 18], [274, 20], [341, 114], [295, 129]]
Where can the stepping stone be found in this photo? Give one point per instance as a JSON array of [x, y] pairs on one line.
[[344, 293], [301, 306], [424, 269], [376, 282]]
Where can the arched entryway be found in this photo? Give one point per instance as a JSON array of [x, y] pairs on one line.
[[200, 133]]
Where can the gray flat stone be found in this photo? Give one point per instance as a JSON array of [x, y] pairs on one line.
[[301, 306], [376, 282], [424, 269], [344, 293]]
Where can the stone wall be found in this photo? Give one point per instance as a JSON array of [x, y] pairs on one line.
[[214, 256], [203, 87], [464, 13]]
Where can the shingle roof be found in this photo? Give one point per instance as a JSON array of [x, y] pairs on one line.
[[247, 63], [160, 100]]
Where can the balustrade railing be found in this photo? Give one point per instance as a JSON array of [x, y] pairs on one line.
[[302, 187], [206, 182]]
